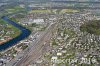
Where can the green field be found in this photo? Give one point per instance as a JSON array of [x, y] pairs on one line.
[[14, 9], [40, 11]]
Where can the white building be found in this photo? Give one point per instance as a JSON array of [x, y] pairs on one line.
[[38, 21], [59, 54]]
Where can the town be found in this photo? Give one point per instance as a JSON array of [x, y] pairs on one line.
[[59, 36]]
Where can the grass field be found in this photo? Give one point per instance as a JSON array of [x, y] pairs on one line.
[[68, 11]]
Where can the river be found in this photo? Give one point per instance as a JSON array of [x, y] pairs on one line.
[[24, 34]]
